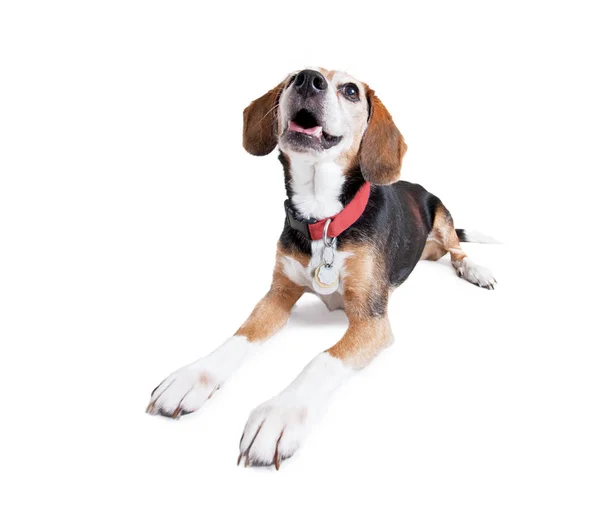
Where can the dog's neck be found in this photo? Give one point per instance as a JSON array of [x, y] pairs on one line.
[[316, 189]]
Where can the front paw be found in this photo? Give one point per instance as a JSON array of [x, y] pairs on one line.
[[275, 430], [183, 392]]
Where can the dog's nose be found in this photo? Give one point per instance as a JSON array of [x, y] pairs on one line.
[[310, 82]]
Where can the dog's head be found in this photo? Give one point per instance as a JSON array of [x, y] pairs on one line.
[[318, 115]]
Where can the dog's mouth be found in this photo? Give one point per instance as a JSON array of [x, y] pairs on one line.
[[305, 123]]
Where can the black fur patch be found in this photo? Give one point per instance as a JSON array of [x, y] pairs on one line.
[[396, 222]]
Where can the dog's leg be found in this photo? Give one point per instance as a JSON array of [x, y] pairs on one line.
[[186, 390], [276, 429], [443, 239]]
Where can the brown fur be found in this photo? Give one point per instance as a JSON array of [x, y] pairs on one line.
[[365, 301], [260, 123], [365, 284], [382, 147], [349, 160], [433, 249], [271, 313], [363, 340], [327, 73], [443, 239]]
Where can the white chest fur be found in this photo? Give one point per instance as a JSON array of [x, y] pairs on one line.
[[316, 188], [303, 276]]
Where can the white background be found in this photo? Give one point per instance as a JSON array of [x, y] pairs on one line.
[[136, 235]]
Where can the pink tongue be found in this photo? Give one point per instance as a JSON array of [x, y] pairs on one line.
[[313, 131]]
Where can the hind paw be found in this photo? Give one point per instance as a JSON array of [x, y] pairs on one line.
[[477, 275]]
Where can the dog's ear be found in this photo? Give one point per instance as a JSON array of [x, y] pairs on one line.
[[260, 123], [382, 147]]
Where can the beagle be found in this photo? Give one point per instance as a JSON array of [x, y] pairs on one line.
[[352, 233]]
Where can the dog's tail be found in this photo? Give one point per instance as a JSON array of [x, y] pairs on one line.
[[473, 236]]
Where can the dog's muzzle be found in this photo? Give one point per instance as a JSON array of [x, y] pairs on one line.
[[305, 129]]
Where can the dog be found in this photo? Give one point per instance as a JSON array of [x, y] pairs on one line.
[[353, 232]]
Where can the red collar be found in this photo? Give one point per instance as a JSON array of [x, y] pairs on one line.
[[312, 229]]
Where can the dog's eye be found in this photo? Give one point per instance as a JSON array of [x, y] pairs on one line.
[[350, 91]]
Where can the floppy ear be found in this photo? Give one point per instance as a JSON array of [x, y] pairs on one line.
[[260, 123], [382, 147]]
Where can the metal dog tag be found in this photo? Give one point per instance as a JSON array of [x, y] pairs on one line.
[[326, 279]]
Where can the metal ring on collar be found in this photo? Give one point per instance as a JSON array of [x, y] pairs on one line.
[[330, 243]]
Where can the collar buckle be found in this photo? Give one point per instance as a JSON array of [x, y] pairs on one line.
[[296, 221]]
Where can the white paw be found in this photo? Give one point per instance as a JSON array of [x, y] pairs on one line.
[[183, 392], [187, 389], [278, 427], [275, 430], [475, 274]]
